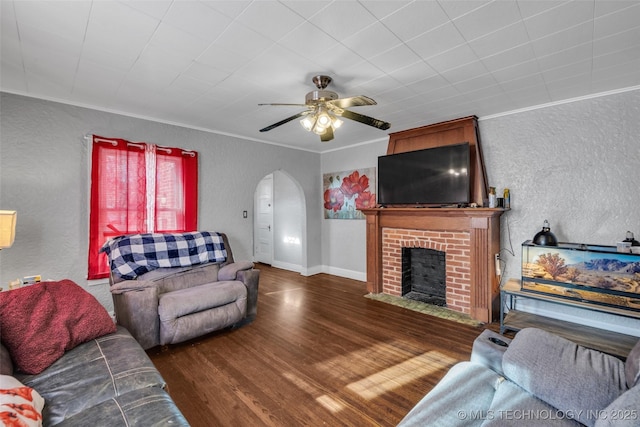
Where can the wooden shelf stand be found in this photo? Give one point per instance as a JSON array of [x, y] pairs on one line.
[[613, 343]]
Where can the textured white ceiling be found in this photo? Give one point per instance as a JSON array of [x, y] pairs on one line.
[[208, 64]]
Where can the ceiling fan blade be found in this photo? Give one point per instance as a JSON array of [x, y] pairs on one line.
[[287, 120], [286, 105], [354, 101], [362, 119], [327, 135]]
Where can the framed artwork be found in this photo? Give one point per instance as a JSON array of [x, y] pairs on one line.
[[345, 193]]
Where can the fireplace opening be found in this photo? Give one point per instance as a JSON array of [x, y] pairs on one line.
[[424, 274]]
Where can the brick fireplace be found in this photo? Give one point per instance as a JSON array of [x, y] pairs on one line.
[[469, 236], [455, 245]]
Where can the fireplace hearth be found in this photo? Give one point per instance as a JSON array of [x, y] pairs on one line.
[[424, 275]]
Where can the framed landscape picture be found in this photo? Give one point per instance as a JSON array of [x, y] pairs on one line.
[[345, 193]]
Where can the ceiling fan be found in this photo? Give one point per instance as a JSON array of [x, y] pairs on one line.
[[324, 109]]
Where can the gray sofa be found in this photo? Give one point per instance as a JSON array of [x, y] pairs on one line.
[[108, 381], [174, 304], [535, 379]]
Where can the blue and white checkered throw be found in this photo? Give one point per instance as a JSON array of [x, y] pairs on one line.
[[133, 255]]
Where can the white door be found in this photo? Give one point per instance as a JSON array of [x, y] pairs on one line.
[[263, 230]]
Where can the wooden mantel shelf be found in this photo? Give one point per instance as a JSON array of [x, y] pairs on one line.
[[483, 226]]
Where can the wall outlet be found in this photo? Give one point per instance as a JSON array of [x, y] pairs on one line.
[[498, 269]]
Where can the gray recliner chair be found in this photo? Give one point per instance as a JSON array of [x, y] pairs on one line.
[[172, 305]]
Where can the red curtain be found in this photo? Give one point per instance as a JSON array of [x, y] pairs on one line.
[[138, 188]]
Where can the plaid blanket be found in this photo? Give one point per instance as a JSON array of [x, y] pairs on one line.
[[133, 255]]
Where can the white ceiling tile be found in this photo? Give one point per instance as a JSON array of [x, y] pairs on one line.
[[567, 71], [204, 73], [520, 82], [466, 73], [621, 71], [568, 56], [616, 81], [487, 19], [478, 85], [93, 74], [57, 68], [243, 41], [173, 38], [371, 41], [342, 19], [118, 31], [155, 9], [12, 77], [113, 58], [607, 7], [230, 8], [157, 56], [501, 40], [308, 40], [454, 58], [46, 85], [394, 58], [415, 19], [8, 23], [517, 71], [616, 42], [146, 74], [412, 73], [277, 65], [68, 19], [34, 37], [428, 85], [569, 88], [519, 96], [338, 58], [559, 19], [530, 8], [222, 59], [618, 57], [197, 19], [557, 42], [436, 41], [621, 20], [308, 8], [272, 20], [458, 8], [509, 58]]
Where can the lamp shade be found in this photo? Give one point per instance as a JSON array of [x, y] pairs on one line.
[[7, 228]]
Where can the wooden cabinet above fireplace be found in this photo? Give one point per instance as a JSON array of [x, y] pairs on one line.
[[469, 236], [447, 133]]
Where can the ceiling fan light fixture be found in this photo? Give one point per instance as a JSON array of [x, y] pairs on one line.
[[319, 130], [308, 123], [324, 110]]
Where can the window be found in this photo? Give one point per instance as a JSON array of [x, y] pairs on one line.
[[138, 188]]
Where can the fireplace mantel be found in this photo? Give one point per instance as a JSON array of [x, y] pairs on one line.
[[483, 226]]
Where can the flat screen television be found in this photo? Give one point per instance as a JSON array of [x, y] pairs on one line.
[[432, 176]]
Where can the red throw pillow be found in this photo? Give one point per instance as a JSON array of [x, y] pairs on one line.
[[40, 322]]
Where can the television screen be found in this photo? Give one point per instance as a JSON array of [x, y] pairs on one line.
[[431, 176]]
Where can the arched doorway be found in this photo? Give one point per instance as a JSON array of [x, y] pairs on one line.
[[280, 222]]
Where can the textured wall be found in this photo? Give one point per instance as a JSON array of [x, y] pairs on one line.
[[44, 176], [575, 164]]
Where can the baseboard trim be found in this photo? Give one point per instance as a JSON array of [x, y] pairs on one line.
[[349, 274], [287, 266]]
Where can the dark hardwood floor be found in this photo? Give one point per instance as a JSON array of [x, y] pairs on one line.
[[318, 353]]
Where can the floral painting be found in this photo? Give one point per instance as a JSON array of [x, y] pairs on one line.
[[345, 193]]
